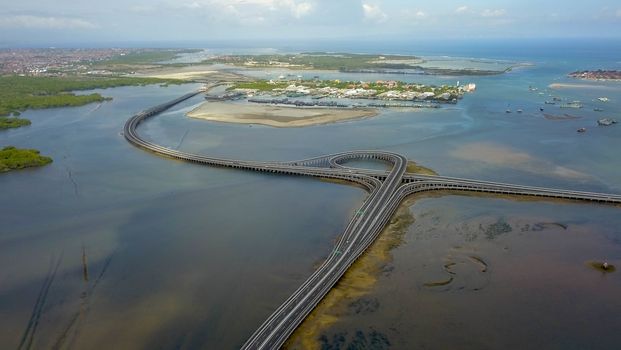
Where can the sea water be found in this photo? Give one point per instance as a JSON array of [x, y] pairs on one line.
[[111, 246]]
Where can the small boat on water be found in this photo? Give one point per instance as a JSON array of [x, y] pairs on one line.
[[519, 111], [508, 111], [550, 102], [598, 110], [581, 130], [606, 121]]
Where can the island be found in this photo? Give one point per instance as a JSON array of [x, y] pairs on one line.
[[335, 89], [276, 116], [12, 158], [299, 103], [350, 63], [13, 122], [597, 75]]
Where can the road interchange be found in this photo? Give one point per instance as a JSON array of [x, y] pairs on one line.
[[387, 189]]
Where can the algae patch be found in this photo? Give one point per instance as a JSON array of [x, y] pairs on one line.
[[438, 283], [599, 266], [482, 264], [346, 296], [416, 168]]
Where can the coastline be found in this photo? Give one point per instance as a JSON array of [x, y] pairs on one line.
[[277, 116]]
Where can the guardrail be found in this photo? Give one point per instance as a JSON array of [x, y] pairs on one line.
[[387, 189]]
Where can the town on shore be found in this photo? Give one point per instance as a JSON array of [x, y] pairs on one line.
[[597, 74], [279, 92]]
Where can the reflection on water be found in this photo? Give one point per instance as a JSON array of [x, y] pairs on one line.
[[177, 255], [181, 255], [489, 273]]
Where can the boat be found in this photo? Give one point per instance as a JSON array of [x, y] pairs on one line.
[[550, 102], [606, 122], [519, 111], [581, 130], [598, 110], [508, 111]]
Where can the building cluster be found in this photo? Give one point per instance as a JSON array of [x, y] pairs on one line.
[[52, 61], [383, 90], [597, 74], [413, 95]]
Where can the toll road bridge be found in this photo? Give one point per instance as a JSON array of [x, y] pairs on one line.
[[387, 189]]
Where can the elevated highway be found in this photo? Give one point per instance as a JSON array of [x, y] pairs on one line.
[[387, 189]]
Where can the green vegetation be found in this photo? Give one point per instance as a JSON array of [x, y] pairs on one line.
[[260, 85], [22, 92], [141, 59], [416, 168], [320, 60], [346, 62], [9, 123], [146, 56], [12, 158]]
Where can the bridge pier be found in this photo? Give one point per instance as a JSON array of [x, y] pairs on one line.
[[387, 189]]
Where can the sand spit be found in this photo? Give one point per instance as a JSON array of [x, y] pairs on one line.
[[189, 73], [559, 86], [277, 116]]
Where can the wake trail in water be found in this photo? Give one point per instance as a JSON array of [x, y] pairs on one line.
[[33, 323]]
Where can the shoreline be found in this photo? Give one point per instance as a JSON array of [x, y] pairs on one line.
[[277, 116]]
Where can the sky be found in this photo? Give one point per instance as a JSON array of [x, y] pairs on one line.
[[27, 22]]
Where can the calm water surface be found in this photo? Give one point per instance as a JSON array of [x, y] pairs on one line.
[[489, 273], [185, 256]]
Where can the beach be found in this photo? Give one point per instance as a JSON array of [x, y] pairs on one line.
[[277, 116], [193, 72]]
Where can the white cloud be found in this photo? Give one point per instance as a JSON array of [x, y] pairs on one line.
[[373, 13], [420, 14], [194, 5], [493, 13], [300, 9], [461, 9], [295, 8], [29, 21]]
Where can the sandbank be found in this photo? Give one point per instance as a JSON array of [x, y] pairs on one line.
[[277, 116], [192, 72], [558, 86]]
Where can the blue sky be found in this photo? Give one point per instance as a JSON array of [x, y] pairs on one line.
[[59, 21]]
